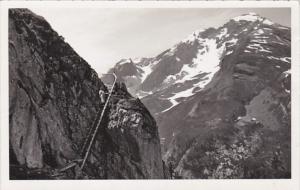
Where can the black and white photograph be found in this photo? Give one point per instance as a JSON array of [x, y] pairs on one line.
[[165, 93]]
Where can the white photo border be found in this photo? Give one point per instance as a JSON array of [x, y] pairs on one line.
[[245, 184]]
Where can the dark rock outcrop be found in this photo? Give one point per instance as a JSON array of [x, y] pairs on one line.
[[53, 99]]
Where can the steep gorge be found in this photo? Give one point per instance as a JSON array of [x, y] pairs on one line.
[[53, 100]]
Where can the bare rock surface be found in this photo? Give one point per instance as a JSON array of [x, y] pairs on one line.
[[53, 100]]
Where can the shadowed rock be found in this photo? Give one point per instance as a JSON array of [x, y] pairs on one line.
[[53, 100]]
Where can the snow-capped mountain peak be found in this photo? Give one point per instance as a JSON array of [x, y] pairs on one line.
[[179, 73], [252, 17], [216, 77], [192, 37], [248, 17]]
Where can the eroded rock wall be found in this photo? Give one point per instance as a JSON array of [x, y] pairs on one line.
[[53, 100]]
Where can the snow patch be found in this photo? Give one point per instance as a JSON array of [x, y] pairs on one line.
[[277, 42], [137, 59], [142, 93], [134, 60], [231, 42], [287, 73], [171, 52], [169, 79], [122, 62], [259, 41], [261, 37], [268, 29], [251, 17], [146, 70], [183, 94], [283, 27], [207, 61], [229, 52], [258, 47], [194, 36], [268, 22], [223, 32], [259, 32], [284, 59]]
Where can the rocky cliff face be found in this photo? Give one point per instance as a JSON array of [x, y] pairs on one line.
[[221, 99], [53, 100]]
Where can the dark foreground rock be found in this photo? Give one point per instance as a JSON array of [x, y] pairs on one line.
[[53, 99]]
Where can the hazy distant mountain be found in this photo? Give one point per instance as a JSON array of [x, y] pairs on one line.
[[222, 98]]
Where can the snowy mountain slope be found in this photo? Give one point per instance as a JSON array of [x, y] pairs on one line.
[[224, 94], [183, 70], [238, 125]]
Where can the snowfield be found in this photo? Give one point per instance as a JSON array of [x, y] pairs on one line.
[[207, 61]]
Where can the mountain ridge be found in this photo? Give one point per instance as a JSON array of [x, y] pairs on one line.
[[229, 110], [191, 39]]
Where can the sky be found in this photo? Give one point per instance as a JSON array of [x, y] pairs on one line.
[[104, 36]]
